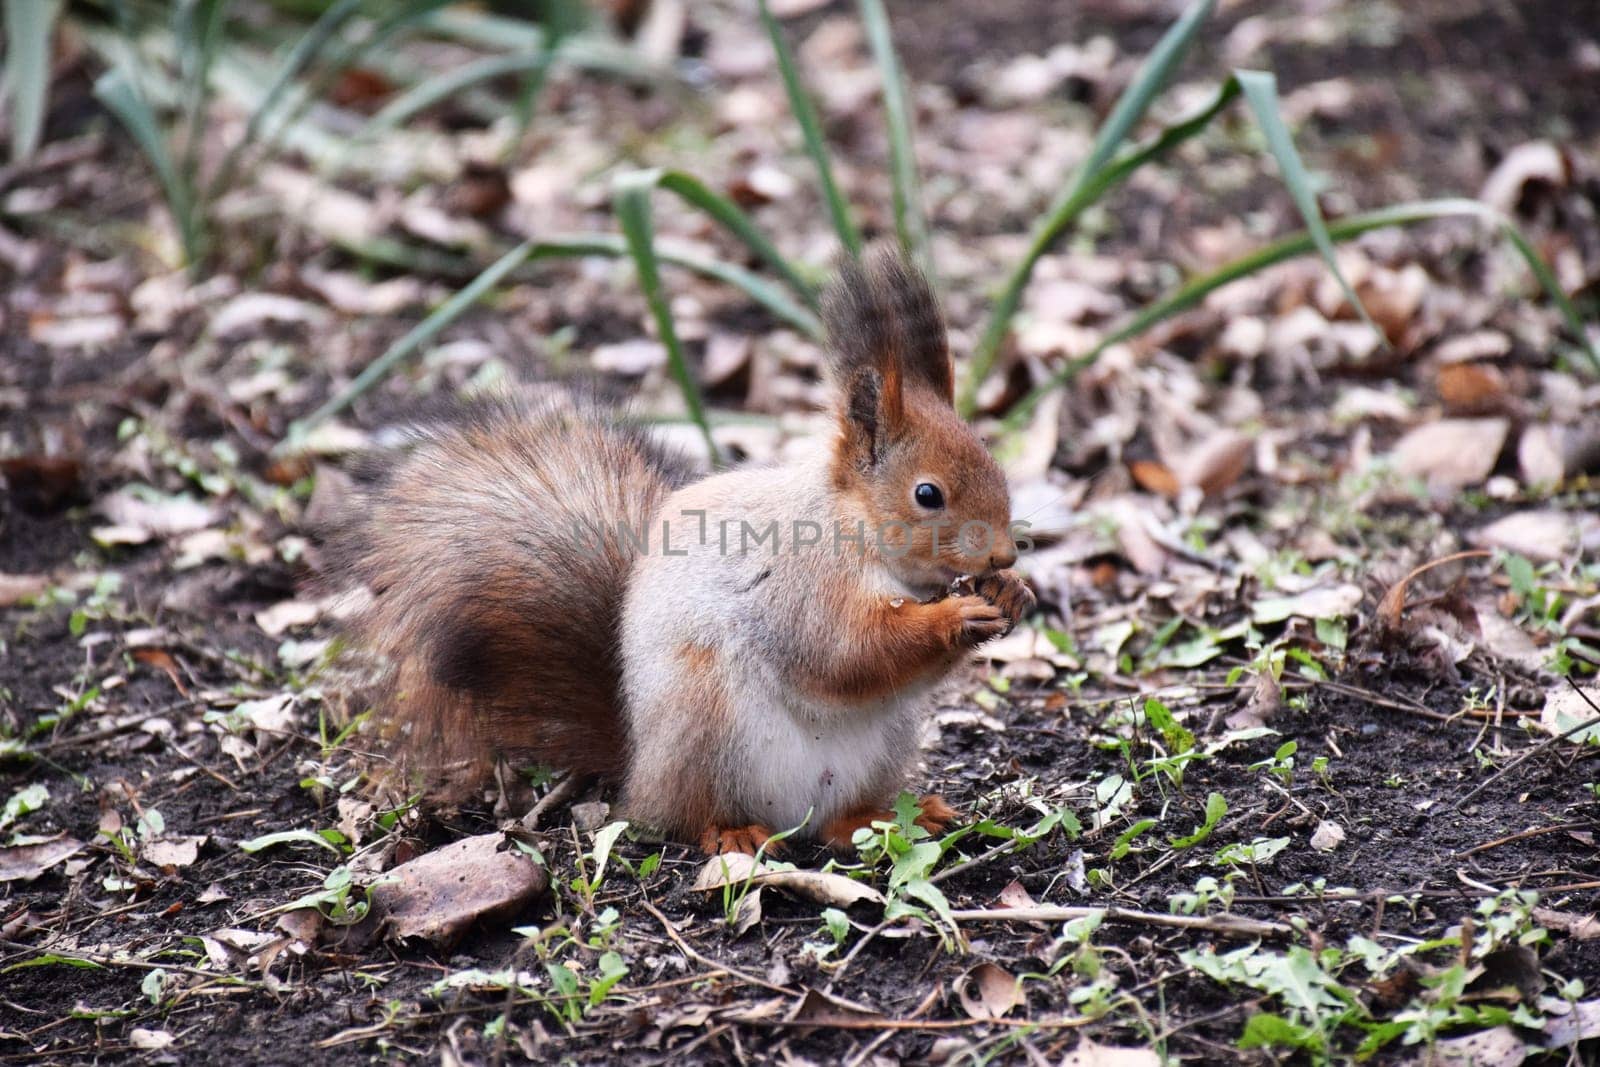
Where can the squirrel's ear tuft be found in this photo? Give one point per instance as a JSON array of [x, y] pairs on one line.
[[881, 314]]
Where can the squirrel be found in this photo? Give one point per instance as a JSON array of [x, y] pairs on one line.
[[742, 654]]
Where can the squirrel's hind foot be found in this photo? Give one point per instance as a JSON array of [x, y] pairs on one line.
[[747, 839], [839, 834]]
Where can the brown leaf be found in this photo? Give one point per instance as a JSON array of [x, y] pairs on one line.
[[15, 588], [441, 894], [23, 863], [1451, 453], [42, 484], [1565, 708], [1393, 605], [1582, 1023], [819, 1009], [1499, 1047], [1015, 896], [165, 852], [1090, 1054], [288, 615], [1215, 463], [1578, 927], [162, 660], [1539, 534], [1535, 161], [1155, 477], [737, 869], [987, 991], [481, 191], [361, 89], [1265, 700], [1471, 388]]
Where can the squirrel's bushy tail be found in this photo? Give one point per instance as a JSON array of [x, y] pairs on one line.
[[492, 551]]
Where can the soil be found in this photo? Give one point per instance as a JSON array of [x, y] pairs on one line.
[[1415, 753]]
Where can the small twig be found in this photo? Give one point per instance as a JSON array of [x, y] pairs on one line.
[[1222, 925], [704, 961], [1534, 751], [560, 793], [976, 861], [1523, 836]]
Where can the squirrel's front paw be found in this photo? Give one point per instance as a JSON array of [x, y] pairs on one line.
[[976, 620], [1007, 591]]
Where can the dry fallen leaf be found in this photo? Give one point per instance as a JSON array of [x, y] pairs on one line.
[[987, 991], [1534, 161], [1539, 534], [441, 894], [1322, 602], [1471, 388], [1451, 453], [141, 508], [1214, 464], [1015, 896], [1090, 1054], [1328, 836], [1582, 1023], [288, 615], [247, 312], [172, 851], [819, 1009], [15, 588], [149, 1040], [629, 359], [1154, 477], [1577, 927], [1565, 708], [1499, 1047], [737, 869], [41, 484], [162, 660], [1393, 605], [23, 863]]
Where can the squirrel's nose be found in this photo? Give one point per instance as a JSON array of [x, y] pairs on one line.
[[1004, 555]]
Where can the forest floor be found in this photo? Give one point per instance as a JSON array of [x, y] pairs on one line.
[[1327, 796]]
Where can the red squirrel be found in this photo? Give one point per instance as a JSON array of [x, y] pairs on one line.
[[741, 654]]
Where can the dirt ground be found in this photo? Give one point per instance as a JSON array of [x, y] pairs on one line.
[[1232, 513]]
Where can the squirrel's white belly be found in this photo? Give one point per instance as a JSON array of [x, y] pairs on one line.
[[801, 763]]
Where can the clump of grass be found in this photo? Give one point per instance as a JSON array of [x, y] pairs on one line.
[[1111, 160]]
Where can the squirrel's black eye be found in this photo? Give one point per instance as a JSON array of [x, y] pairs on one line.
[[928, 496]]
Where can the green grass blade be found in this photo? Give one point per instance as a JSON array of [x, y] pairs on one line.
[[394, 253], [396, 19], [415, 338], [1552, 287], [1261, 94], [115, 90], [29, 27], [197, 29], [427, 93], [633, 211], [1083, 188], [1298, 244], [732, 218], [805, 113], [910, 224], [300, 57], [561, 247], [1130, 160]]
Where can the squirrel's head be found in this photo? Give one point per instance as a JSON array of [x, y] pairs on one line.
[[932, 496]]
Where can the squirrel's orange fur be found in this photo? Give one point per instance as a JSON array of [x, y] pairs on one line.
[[732, 691]]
